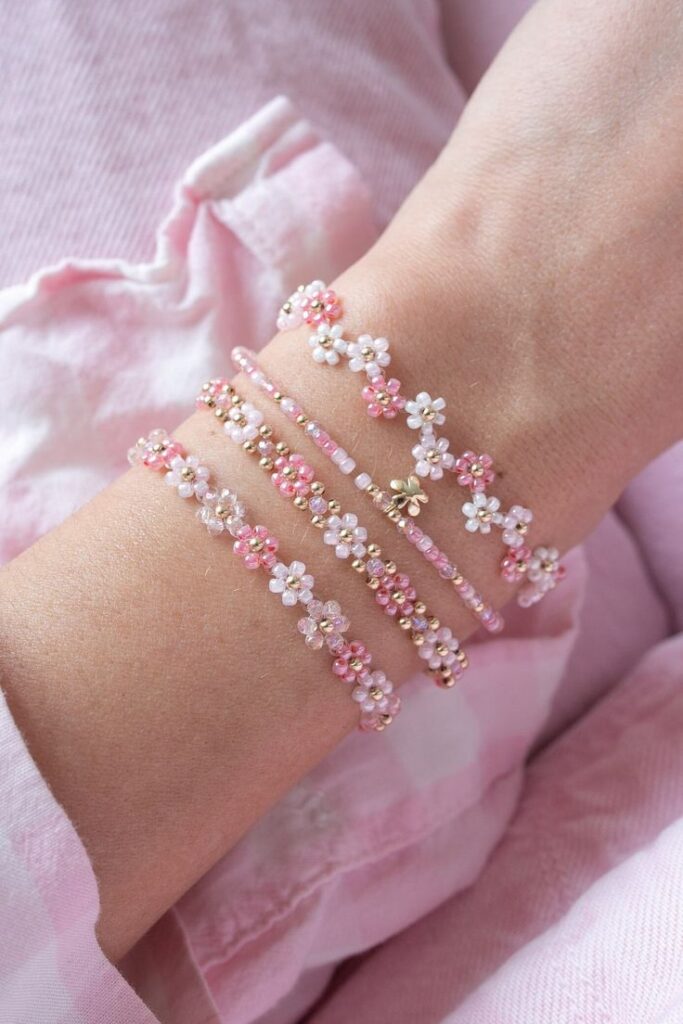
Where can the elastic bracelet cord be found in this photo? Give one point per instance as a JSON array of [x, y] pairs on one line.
[[294, 479], [320, 308], [324, 624], [397, 508]]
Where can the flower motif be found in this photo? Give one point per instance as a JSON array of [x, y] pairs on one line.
[[256, 546], [383, 397], [409, 496], [155, 451], [346, 536], [324, 624], [544, 573], [432, 456], [375, 694], [515, 525], [474, 471], [242, 422], [352, 662], [440, 648], [424, 411], [515, 563], [481, 513], [222, 510], [396, 594], [327, 344], [369, 354], [319, 305], [189, 477], [292, 475], [292, 583]]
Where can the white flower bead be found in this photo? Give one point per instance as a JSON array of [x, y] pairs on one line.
[[373, 693], [222, 511], [481, 513], [292, 583], [290, 315], [346, 536], [440, 648], [327, 344], [543, 568], [515, 525], [425, 411], [369, 354], [243, 422], [190, 479], [432, 456]]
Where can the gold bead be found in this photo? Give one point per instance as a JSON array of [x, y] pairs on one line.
[[386, 718], [220, 414], [394, 514], [209, 402], [401, 523], [434, 622], [390, 567], [478, 608], [355, 664], [237, 399], [358, 564], [333, 506], [420, 607], [249, 446], [277, 396], [326, 626], [317, 487], [374, 550], [372, 490], [301, 420], [441, 650], [418, 639], [187, 473], [458, 580], [445, 679], [300, 501], [462, 657], [373, 583], [266, 463], [265, 431], [376, 692], [318, 521], [281, 448], [404, 622]]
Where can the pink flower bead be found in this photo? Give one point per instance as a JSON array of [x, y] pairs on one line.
[[383, 397], [320, 306], [292, 475], [474, 471], [352, 662], [256, 546], [396, 594], [515, 563]]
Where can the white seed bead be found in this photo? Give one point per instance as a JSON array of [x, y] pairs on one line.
[[362, 481]]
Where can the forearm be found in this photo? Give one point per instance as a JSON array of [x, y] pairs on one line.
[[167, 698]]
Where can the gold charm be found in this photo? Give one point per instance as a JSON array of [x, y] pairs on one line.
[[409, 496]]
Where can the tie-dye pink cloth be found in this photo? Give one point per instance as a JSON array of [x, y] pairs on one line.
[[494, 895]]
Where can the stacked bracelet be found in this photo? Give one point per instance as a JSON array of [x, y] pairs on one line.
[[294, 479], [324, 623], [320, 308], [397, 506]]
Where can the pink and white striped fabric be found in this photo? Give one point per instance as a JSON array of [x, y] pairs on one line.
[[493, 894]]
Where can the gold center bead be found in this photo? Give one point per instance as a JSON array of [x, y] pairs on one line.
[[384, 398], [187, 473], [255, 544], [428, 413], [356, 664], [345, 536], [326, 626], [222, 511], [376, 693], [433, 456], [367, 353], [293, 582], [477, 469], [289, 471], [441, 650]]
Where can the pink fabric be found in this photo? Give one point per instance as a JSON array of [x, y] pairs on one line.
[[339, 867]]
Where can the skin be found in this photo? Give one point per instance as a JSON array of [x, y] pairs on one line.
[[164, 694]]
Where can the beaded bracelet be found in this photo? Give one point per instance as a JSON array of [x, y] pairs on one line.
[[324, 624], [320, 307], [294, 479], [394, 506]]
